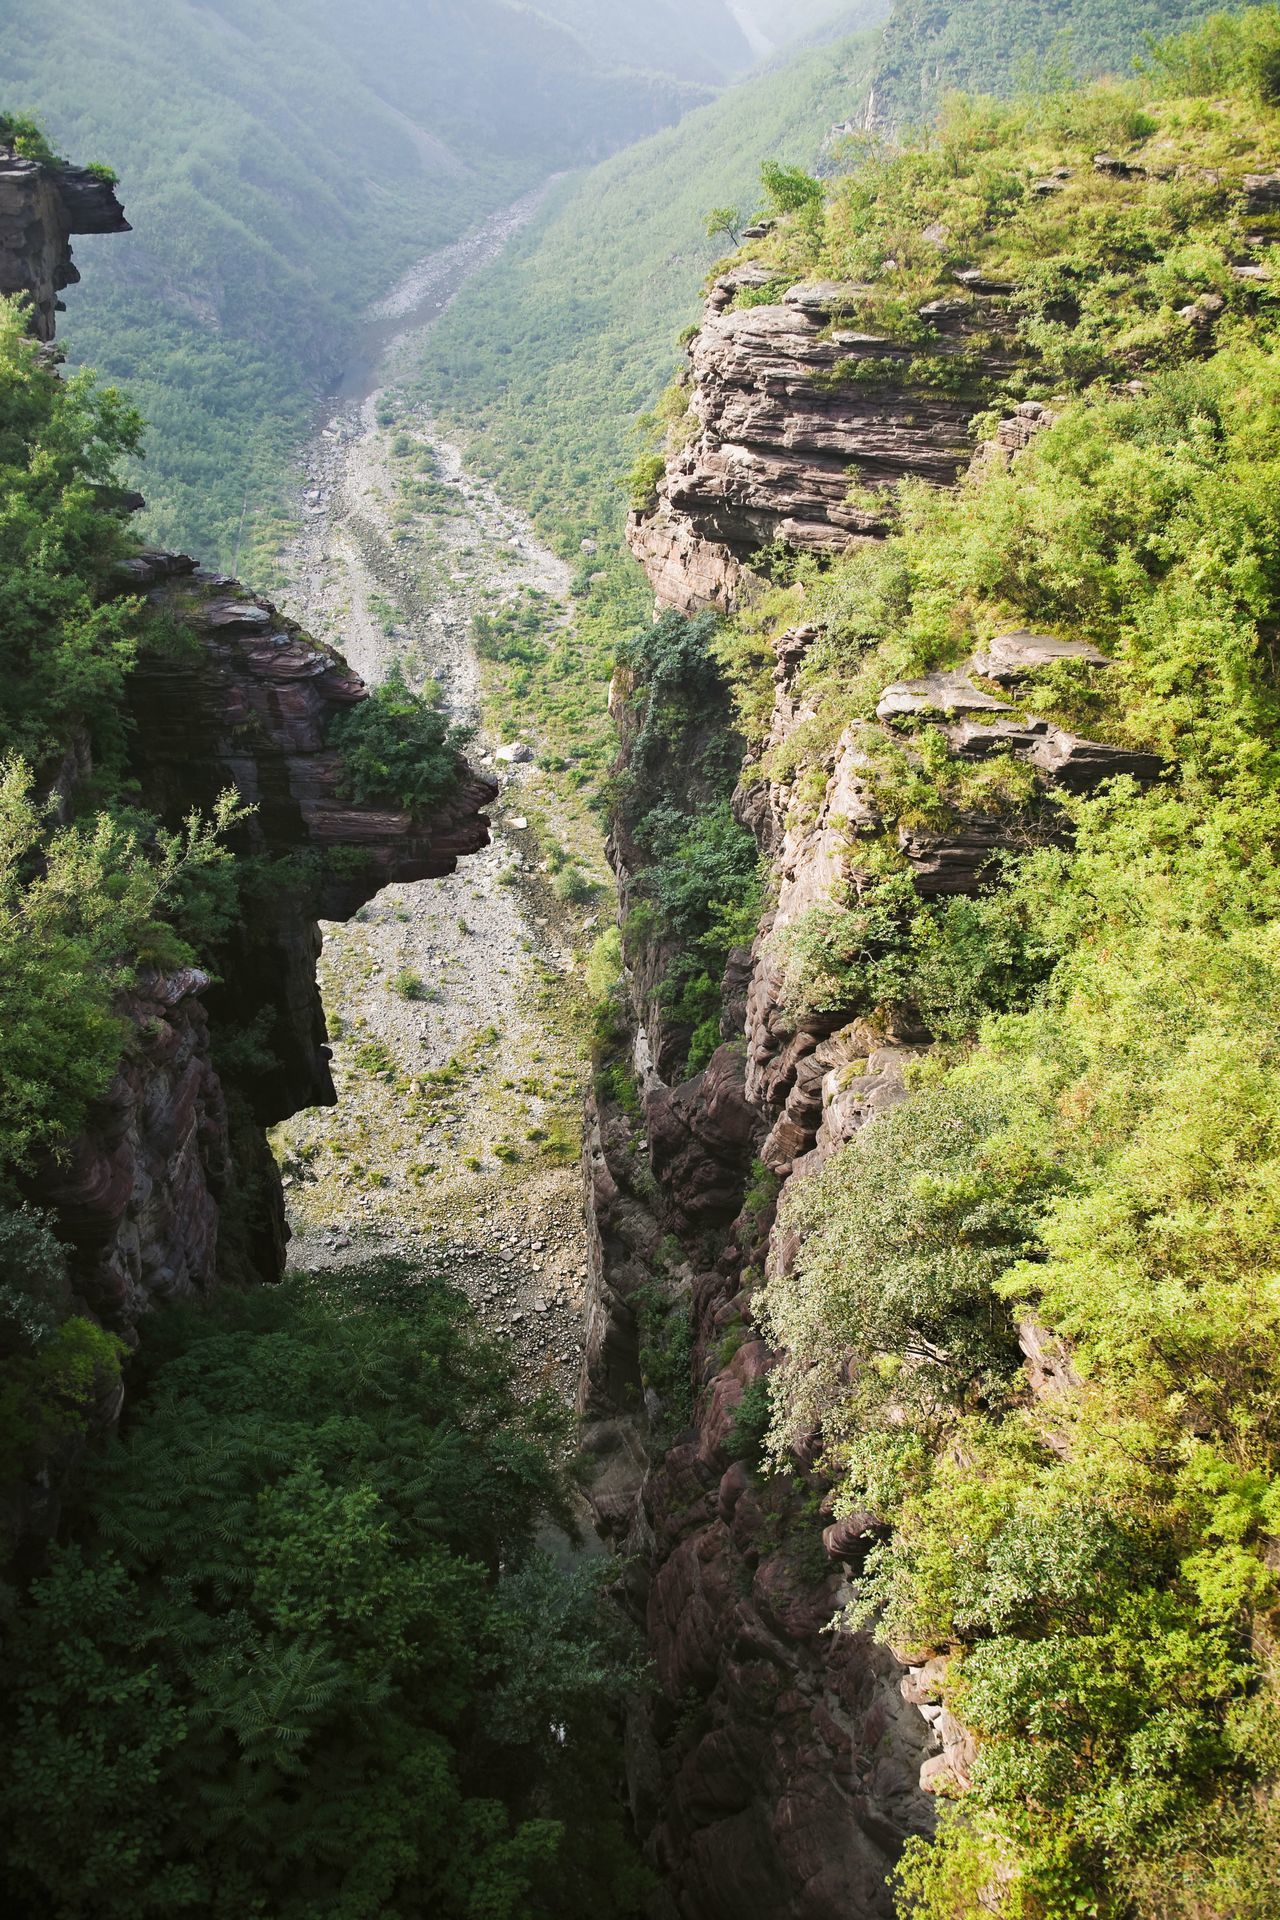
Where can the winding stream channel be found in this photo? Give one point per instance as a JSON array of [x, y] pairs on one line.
[[457, 1008]]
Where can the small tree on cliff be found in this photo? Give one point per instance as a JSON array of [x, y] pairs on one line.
[[726, 221]]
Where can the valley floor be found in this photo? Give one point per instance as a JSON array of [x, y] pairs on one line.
[[458, 1009]]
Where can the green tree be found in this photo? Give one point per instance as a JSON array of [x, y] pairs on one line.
[[791, 189], [307, 1659], [726, 221], [398, 749]]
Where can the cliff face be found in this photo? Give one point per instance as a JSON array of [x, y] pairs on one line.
[[784, 1766], [40, 208], [788, 405], [249, 704], [171, 1185]]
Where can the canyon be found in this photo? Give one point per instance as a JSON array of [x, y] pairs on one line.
[[171, 1186], [941, 801], [783, 1766]]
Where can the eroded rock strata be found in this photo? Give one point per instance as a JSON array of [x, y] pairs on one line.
[[788, 402], [41, 207], [171, 1184], [784, 1766]]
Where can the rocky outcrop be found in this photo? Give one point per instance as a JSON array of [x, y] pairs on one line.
[[171, 1185], [776, 1771], [789, 403], [784, 1766], [247, 701], [139, 1194], [685, 571], [41, 207]]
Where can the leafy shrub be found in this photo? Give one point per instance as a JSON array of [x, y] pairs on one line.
[[666, 1352], [80, 910], [642, 481], [54, 1366], [329, 1670], [25, 137], [752, 1420], [396, 749], [65, 645], [35, 1290], [907, 1231], [574, 887]]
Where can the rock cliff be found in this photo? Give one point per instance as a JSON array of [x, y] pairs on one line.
[[784, 1766], [41, 207], [788, 403], [171, 1185]]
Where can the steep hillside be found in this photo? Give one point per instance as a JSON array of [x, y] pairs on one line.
[[986, 47], [964, 1324], [785, 21], [283, 162], [185, 783], [548, 359], [697, 39]]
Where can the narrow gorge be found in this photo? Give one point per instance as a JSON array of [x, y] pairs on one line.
[[665, 1313]]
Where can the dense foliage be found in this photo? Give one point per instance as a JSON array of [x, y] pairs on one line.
[[397, 748], [64, 646], [56, 1366], [93, 892], [82, 905], [696, 869], [1089, 1166], [306, 1657], [987, 48]]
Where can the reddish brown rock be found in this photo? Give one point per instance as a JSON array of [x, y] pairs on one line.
[[701, 1137], [40, 208], [686, 573], [139, 1192], [786, 415]]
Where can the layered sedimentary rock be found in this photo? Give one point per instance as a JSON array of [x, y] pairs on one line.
[[171, 1184], [778, 1771], [139, 1194], [788, 402], [784, 1766], [41, 207], [248, 703]]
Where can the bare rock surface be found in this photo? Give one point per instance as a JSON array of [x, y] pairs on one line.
[[789, 408], [41, 207]]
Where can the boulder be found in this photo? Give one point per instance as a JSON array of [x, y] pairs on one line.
[[1009, 657], [942, 693]]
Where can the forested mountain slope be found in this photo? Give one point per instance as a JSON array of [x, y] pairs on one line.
[[989, 48], [977, 1179], [697, 39], [786, 21], [283, 159], [547, 359]]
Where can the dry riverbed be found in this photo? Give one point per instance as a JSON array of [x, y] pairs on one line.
[[459, 1009]]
